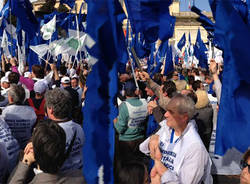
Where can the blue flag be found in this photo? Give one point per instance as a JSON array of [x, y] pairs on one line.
[[152, 18], [233, 119], [182, 41], [70, 3], [99, 110], [169, 66], [22, 9], [199, 51]]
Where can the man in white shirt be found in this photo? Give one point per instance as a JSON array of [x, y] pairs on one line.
[[179, 154]]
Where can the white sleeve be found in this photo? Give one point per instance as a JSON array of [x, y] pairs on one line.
[[217, 85], [192, 169], [144, 145]]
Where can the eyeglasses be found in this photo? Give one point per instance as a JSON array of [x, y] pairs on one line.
[[243, 164]]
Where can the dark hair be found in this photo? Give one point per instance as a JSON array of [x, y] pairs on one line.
[[246, 155], [132, 173], [38, 71], [13, 78], [158, 78], [60, 101], [130, 88], [63, 70], [190, 79], [196, 85], [49, 143], [193, 96], [196, 71], [170, 88]]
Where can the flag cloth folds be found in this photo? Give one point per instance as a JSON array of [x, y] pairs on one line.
[[99, 110], [199, 51], [22, 9], [152, 18], [49, 28], [70, 3], [182, 42], [233, 125]]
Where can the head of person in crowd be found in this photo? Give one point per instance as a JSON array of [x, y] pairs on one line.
[[191, 94], [133, 172], [130, 89], [5, 84], [158, 78], [62, 71], [190, 80], [197, 85], [245, 166], [85, 70], [195, 72], [74, 82], [58, 104], [208, 79], [37, 71], [40, 88], [175, 76], [180, 85], [16, 94], [180, 110], [49, 143], [202, 99], [13, 78], [169, 89], [149, 91], [124, 77], [65, 81]]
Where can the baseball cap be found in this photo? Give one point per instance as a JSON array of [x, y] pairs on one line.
[[4, 79], [65, 80], [130, 86], [40, 87]]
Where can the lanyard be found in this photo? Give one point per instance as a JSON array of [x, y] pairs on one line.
[[172, 137]]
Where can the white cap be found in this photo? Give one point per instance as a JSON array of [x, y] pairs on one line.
[[7, 73], [72, 72], [26, 74], [65, 80], [4, 79], [40, 87], [75, 76]]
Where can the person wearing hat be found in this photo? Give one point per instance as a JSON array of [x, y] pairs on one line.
[[37, 102], [130, 123], [65, 81]]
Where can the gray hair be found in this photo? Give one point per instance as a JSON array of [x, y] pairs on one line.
[[184, 104], [60, 101], [17, 93]]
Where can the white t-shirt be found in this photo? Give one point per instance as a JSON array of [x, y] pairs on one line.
[[75, 159], [21, 120], [185, 157]]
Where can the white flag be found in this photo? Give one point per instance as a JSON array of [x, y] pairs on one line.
[[40, 50], [4, 44], [49, 28]]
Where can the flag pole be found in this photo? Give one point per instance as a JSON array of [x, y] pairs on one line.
[[11, 34]]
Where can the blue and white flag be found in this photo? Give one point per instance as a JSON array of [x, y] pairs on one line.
[[22, 9]]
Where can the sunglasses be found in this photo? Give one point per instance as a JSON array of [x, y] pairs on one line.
[[243, 164]]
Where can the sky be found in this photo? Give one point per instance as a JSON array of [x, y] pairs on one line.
[[201, 4]]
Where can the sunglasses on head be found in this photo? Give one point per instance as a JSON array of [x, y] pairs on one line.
[[243, 164]]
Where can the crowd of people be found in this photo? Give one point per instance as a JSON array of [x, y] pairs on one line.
[[170, 119], [41, 123], [163, 130]]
